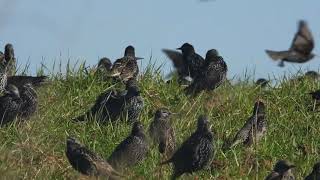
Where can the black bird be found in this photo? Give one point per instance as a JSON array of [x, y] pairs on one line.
[[262, 82], [196, 152], [10, 104], [213, 73], [10, 59], [281, 171], [111, 105], [300, 50], [131, 150], [315, 174], [126, 67], [87, 162], [312, 75], [20, 81], [253, 130], [104, 68], [187, 63], [29, 103], [316, 98], [162, 133]]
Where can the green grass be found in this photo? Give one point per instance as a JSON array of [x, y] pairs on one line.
[[35, 149]]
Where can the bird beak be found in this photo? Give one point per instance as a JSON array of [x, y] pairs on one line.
[[138, 58], [115, 74], [178, 48]]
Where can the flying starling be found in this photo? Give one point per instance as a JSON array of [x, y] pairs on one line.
[[111, 104], [162, 132], [300, 50], [213, 74], [187, 63], [131, 150], [253, 130], [281, 171], [87, 162], [29, 103], [10, 104], [262, 82], [10, 59], [196, 152], [126, 67], [315, 174]]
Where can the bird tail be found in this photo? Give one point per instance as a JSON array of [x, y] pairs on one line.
[[276, 55]]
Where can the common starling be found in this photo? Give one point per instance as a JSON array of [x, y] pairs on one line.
[[29, 99], [262, 82], [253, 130], [213, 73], [126, 67], [315, 174], [300, 50], [10, 59], [111, 105], [131, 150], [312, 75], [281, 171], [162, 132], [187, 63], [196, 152], [87, 162], [10, 104]]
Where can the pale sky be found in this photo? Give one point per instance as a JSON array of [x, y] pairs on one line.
[[45, 31]]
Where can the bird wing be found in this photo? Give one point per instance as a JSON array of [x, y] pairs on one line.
[[273, 176], [176, 58], [303, 40], [243, 133]]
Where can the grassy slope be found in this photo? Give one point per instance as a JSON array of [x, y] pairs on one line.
[[35, 149]]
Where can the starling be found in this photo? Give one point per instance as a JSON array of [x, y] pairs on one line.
[[87, 162], [131, 150], [312, 75], [315, 174], [281, 171], [196, 152], [20, 81], [213, 74], [111, 105], [262, 82], [316, 98], [29, 103], [300, 50], [10, 104], [253, 130], [187, 63], [10, 59], [126, 67], [162, 132]]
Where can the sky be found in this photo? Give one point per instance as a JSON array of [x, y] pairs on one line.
[[81, 30]]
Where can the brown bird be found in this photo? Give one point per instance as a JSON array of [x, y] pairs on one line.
[[300, 50], [281, 171], [87, 162]]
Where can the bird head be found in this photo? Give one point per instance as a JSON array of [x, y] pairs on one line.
[[72, 143], [105, 63], [203, 123], [12, 90], [212, 53], [162, 113], [259, 108], [186, 48], [137, 128], [262, 82], [129, 51], [8, 52], [282, 166]]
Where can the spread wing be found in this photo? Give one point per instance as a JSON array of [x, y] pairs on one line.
[[303, 40], [176, 58]]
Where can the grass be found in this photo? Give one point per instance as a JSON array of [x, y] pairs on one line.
[[35, 149]]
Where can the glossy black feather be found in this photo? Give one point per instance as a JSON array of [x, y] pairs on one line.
[[10, 104]]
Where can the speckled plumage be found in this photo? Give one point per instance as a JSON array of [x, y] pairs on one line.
[[162, 133], [87, 162], [29, 103], [315, 174], [111, 105], [187, 63], [300, 50], [195, 153], [10, 104], [281, 171], [132, 150], [254, 128], [126, 67], [212, 74]]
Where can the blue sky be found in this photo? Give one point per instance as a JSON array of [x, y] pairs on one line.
[[45, 31]]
